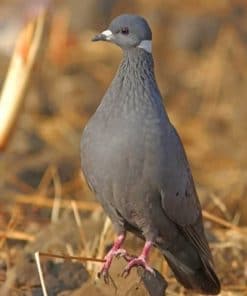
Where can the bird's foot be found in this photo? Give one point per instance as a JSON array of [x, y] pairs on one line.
[[138, 261], [115, 251], [108, 260]]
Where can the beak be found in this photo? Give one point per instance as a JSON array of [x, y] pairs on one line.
[[104, 36]]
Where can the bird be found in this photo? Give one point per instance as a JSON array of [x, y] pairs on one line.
[[134, 162]]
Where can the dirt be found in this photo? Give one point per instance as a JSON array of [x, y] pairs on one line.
[[200, 51]]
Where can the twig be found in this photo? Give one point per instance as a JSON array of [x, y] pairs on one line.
[[57, 197], [79, 258], [10, 227], [104, 232], [18, 76], [79, 225], [17, 235], [42, 201], [37, 259], [234, 288], [221, 221], [41, 277]]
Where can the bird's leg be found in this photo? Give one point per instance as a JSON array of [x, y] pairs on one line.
[[116, 250], [140, 261]]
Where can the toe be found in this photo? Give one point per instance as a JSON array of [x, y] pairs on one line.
[[137, 262], [123, 253], [125, 272], [150, 269], [105, 274], [120, 253]]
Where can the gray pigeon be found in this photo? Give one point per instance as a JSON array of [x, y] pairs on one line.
[[135, 163]]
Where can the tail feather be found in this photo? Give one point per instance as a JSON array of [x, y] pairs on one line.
[[192, 267], [202, 279]]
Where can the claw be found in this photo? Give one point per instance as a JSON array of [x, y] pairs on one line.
[[105, 275], [139, 261]]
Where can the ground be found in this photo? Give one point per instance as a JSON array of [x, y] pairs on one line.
[[200, 53]]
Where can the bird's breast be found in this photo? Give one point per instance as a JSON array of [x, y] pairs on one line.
[[124, 149], [112, 152]]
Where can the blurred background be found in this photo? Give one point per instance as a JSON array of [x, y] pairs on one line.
[[200, 51]]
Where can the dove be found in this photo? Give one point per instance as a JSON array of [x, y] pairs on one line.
[[135, 163]]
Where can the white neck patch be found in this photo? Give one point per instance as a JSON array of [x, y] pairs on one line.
[[146, 45]]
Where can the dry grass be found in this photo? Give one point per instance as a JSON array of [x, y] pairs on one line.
[[204, 81]]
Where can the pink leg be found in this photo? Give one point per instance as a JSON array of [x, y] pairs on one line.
[[140, 261], [114, 251]]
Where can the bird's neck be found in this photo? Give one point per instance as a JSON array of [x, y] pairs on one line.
[[137, 62], [135, 75], [135, 78], [134, 87]]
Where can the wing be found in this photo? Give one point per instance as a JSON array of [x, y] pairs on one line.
[[178, 195], [180, 201]]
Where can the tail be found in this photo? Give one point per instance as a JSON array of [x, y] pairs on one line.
[[192, 268]]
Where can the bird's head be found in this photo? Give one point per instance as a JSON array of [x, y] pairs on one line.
[[128, 31]]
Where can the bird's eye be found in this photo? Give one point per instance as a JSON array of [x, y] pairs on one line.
[[125, 31]]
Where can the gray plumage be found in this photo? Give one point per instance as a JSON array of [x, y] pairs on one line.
[[135, 163]]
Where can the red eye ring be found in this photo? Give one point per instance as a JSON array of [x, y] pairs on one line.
[[125, 30]]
